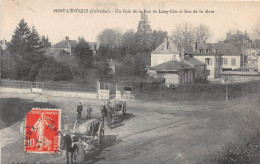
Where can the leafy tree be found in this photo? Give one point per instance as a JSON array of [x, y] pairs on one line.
[[144, 33], [129, 43], [132, 65], [83, 52], [109, 38], [54, 71]]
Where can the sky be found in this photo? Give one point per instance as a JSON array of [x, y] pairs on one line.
[[49, 21]]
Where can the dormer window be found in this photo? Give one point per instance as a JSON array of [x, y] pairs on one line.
[[207, 50], [201, 51]]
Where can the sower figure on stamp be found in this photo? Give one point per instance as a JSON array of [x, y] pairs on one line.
[[79, 110], [89, 110], [39, 126]]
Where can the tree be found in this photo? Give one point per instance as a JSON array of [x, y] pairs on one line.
[[183, 33], [109, 38], [54, 71], [202, 33], [256, 30], [45, 42], [18, 42], [83, 52], [24, 50], [33, 41], [144, 34], [158, 38], [129, 43]]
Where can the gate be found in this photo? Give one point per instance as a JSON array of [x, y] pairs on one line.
[[36, 87], [113, 91], [103, 91]]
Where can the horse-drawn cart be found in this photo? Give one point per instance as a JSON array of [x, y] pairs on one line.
[[113, 108], [87, 134]]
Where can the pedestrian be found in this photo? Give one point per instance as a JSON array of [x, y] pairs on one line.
[[89, 110], [79, 110]]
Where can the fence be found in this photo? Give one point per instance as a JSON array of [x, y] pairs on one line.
[[195, 92], [50, 86]]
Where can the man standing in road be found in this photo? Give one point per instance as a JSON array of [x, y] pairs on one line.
[[79, 110], [89, 110]]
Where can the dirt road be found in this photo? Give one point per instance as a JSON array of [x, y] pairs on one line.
[[180, 132]]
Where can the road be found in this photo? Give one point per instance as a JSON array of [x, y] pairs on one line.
[[153, 132]]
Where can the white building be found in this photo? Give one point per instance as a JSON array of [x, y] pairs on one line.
[[231, 56], [207, 53]]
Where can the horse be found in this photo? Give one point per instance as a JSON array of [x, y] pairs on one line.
[[107, 112], [66, 144]]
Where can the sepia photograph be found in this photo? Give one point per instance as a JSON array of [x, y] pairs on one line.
[[129, 82]]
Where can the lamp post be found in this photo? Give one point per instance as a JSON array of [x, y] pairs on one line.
[[227, 87]]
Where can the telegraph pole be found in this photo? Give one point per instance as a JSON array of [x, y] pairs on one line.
[[1, 52]]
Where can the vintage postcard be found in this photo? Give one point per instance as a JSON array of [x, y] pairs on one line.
[[131, 82]]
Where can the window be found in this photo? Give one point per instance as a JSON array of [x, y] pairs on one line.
[[224, 61], [207, 51], [201, 50], [208, 61], [208, 72], [233, 61]]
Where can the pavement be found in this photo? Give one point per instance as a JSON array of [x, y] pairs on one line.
[[152, 132]]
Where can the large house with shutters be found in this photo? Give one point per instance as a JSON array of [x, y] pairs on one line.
[[230, 56], [208, 54], [175, 64]]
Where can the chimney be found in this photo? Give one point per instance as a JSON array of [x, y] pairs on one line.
[[194, 46], [166, 43]]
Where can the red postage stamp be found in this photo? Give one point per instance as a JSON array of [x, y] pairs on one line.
[[42, 128]]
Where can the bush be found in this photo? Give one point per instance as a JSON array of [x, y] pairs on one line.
[[201, 81], [54, 71], [245, 148]]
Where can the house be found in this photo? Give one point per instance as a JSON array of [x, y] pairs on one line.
[[63, 46], [174, 64], [250, 56], [230, 56], [207, 53]]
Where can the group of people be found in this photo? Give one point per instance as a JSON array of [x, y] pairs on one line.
[[80, 109]]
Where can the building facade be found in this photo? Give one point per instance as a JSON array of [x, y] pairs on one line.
[[175, 65], [207, 53]]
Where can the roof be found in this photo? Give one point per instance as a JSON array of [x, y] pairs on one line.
[[167, 47], [192, 61], [228, 49], [64, 44], [205, 46], [173, 65]]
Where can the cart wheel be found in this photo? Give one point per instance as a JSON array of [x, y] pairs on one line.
[[109, 116], [100, 135], [123, 113]]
